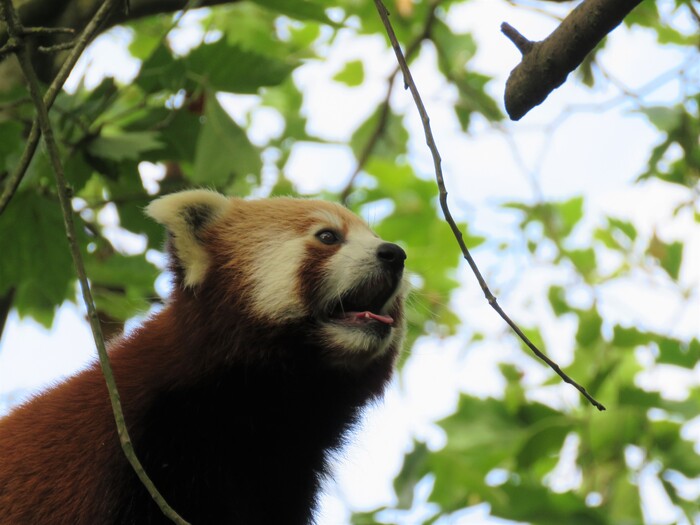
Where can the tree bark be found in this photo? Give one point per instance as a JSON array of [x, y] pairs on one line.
[[5, 307], [75, 15], [546, 64]]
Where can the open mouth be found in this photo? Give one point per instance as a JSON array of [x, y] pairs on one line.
[[365, 307]]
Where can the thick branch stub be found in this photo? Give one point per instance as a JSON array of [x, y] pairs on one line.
[[523, 44], [546, 64]]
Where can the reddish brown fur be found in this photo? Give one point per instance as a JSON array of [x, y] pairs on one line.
[[232, 416]]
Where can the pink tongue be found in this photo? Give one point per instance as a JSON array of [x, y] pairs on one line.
[[369, 315]]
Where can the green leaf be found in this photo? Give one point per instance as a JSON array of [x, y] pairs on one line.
[[37, 262], [288, 100], [557, 299], [675, 452], [531, 502], [589, 327], [224, 153], [161, 71], [299, 9], [132, 271], [474, 98], [10, 142], [414, 468], [224, 67], [671, 262], [630, 337], [545, 440], [569, 214], [482, 432], [365, 518], [455, 49], [663, 117], [613, 434], [558, 219], [391, 141], [148, 35], [122, 284], [118, 146], [670, 256], [180, 137], [634, 397], [625, 504], [675, 352], [352, 75], [626, 227], [584, 260]]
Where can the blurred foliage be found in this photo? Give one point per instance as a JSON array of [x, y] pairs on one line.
[[502, 451]]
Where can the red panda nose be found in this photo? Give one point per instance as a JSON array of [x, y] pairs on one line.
[[391, 255]]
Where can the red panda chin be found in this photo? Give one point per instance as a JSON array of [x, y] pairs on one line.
[[366, 320]]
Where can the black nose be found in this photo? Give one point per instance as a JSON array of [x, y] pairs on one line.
[[392, 255]]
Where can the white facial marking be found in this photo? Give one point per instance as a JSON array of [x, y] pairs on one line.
[[276, 292]]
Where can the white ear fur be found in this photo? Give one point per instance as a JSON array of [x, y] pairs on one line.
[[185, 214]]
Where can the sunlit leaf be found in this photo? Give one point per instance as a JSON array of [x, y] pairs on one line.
[[352, 74], [413, 469], [223, 152], [669, 255], [584, 260], [388, 144], [224, 67], [557, 299], [630, 336], [674, 352]]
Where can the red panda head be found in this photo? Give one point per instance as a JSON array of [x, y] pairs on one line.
[[308, 265]]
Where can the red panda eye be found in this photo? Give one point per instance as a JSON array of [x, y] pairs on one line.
[[328, 237]]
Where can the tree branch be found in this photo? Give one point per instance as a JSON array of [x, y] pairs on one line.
[[437, 161], [91, 30], [75, 15], [16, 33], [546, 64], [5, 307]]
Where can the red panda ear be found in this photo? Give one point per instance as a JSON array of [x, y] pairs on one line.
[[185, 215]]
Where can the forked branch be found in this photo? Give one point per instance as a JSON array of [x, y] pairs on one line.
[[437, 161]]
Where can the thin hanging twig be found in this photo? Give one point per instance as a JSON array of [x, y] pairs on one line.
[[437, 161], [16, 33], [385, 107]]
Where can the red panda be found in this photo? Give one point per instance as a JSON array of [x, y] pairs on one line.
[[285, 319]]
